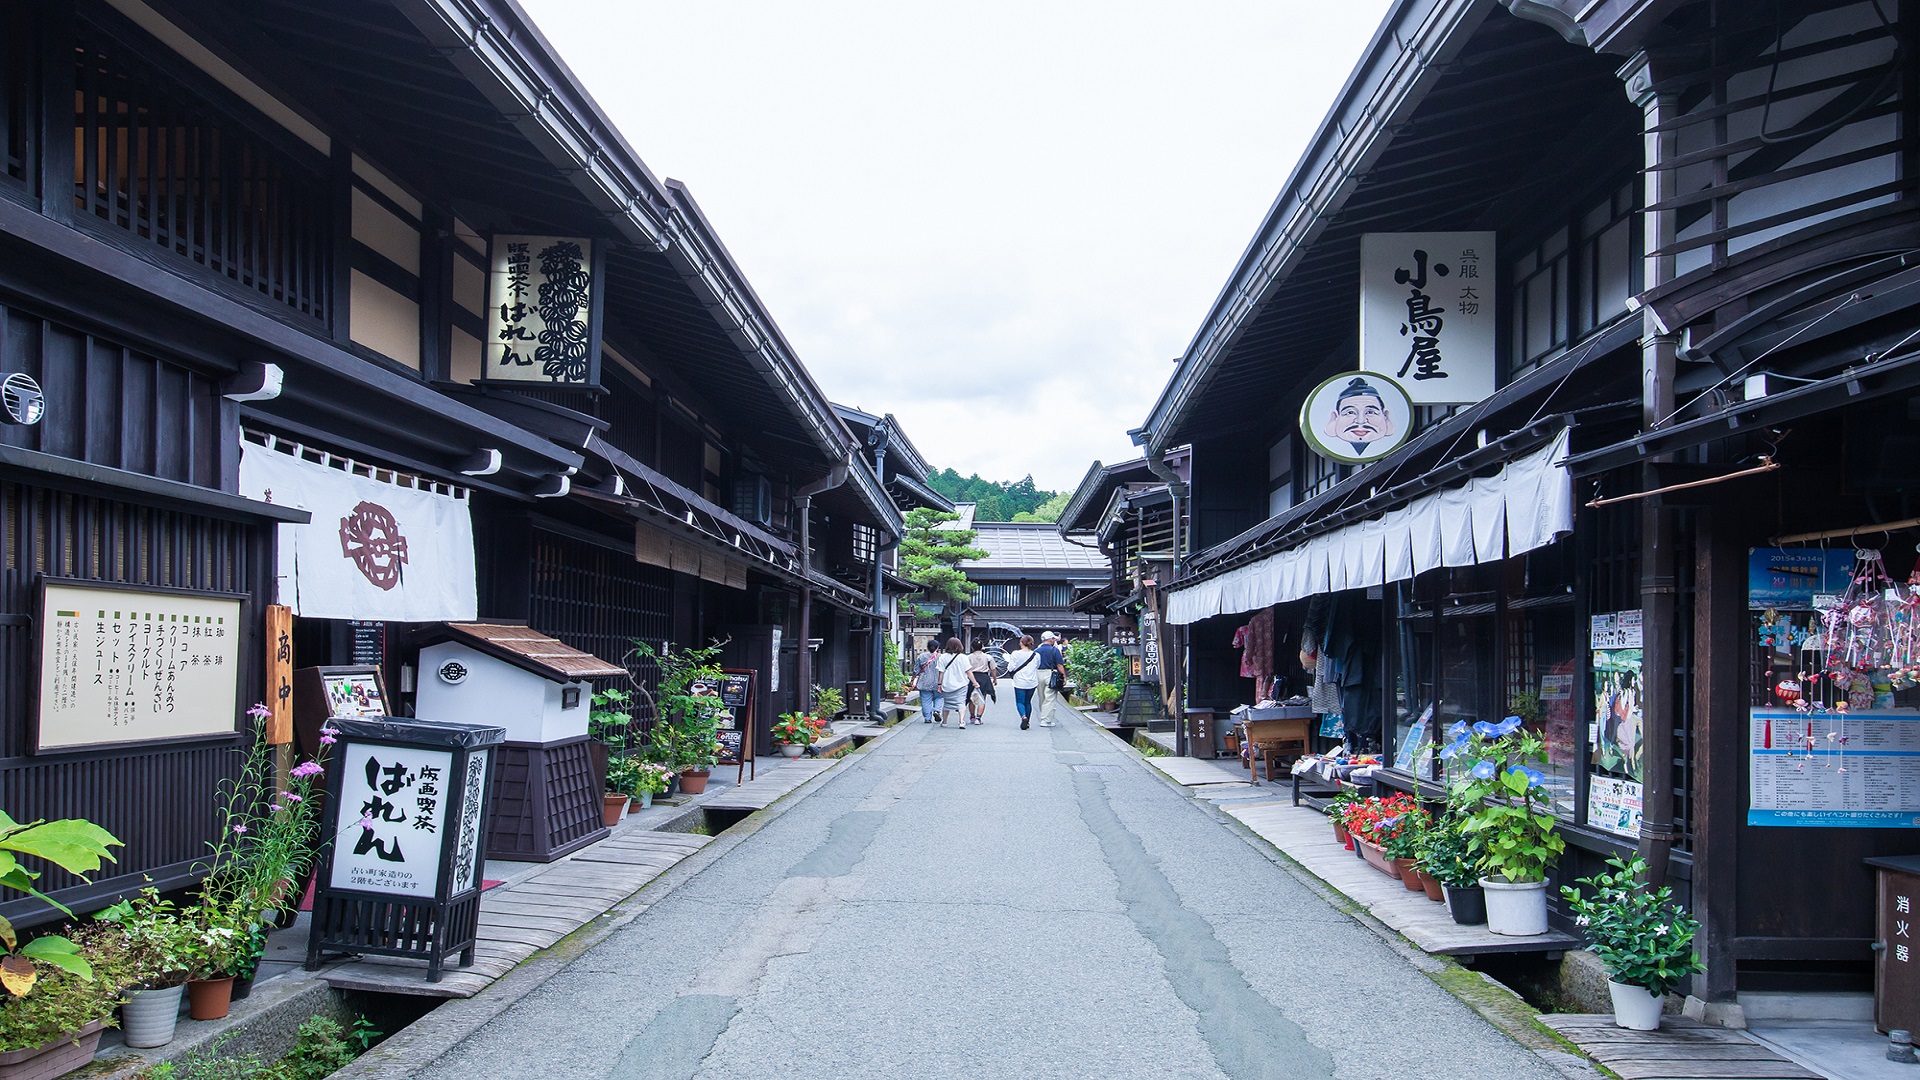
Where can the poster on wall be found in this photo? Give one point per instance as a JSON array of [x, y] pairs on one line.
[[1833, 769], [1613, 805], [373, 551], [1427, 313], [397, 799], [1618, 745], [1791, 578], [135, 666], [542, 311]]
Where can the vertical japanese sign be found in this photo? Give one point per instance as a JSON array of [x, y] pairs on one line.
[[467, 858], [279, 674], [394, 799], [1427, 313], [121, 665], [543, 304]]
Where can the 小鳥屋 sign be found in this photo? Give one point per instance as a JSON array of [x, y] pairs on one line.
[[1427, 313], [542, 311], [127, 666]]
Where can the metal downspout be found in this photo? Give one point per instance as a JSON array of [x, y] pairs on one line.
[[803, 662]]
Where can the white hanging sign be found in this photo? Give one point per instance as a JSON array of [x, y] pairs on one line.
[[373, 550], [1427, 313], [541, 302]]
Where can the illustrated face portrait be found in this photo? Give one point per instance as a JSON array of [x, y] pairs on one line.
[[1359, 419]]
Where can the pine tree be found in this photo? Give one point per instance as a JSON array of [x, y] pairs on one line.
[[929, 556]]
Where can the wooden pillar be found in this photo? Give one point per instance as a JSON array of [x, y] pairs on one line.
[[1720, 733]]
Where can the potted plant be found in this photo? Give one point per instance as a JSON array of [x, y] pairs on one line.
[[652, 779], [1373, 822], [623, 779], [688, 711], [828, 703], [248, 962], [59, 991], [1337, 813], [609, 730], [213, 949], [1403, 837], [793, 733], [1449, 860], [1640, 934], [896, 676], [159, 947], [1105, 695], [1510, 821]]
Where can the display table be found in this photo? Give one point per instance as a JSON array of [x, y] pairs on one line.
[[1280, 730]]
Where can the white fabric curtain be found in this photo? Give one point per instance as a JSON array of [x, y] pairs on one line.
[[1528, 504]]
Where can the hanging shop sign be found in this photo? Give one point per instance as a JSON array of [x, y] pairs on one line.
[[1356, 417], [135, 666], [279, 675], [543, 318], [1791, 578], [1427, 313], [373, 551]]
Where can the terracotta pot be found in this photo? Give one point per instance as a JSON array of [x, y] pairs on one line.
[[208, 999], [1409, 876], [613, 806], [1432, 885], [694, 781], [1377, 858], [1340, 834], [56, 1058]]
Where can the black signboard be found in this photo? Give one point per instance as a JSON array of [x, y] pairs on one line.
[[736, 736]]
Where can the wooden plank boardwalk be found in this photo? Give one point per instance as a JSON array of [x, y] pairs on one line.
[[1307, 837], [1680, 1050], [1193, 772], [527, 916], [765, 791]]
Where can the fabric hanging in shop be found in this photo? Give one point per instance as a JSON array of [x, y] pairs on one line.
[[374, 550], [1526, 505]]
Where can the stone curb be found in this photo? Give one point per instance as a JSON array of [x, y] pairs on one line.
[[1495, 1002], [435, 1034]]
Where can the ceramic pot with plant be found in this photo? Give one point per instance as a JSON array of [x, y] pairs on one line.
[[793, 733], [160, 948], [652, 779], [214, 948], [1336, 813], [1509, 819], [1640, 934], [56, 991], [1449, 860]]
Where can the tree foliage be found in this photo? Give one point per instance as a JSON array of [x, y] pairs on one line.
[[997, 500], [930, 556]]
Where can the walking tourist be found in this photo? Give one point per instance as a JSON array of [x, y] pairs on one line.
[[1053, 677], [1023, 672], [926, 679], [954, 680], [980, 669]]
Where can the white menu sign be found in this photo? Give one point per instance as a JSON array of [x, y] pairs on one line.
[[393, 808], [121, 665], [1834, 770]]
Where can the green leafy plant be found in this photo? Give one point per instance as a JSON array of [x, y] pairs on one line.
[[63, 1000], [610, 720], [1643, 937], [1103, 694], [321, 1047], [1447, 856], [76, 846], [1091, 662], [364, 1035], [798, 729], [267, 835], [623, 775], [828, 702], [653, 778], [890, 657], [1508, 813], [1406, 835], [159, 943], [687, 712]]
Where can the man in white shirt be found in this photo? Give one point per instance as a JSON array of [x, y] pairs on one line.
[[1049, 660]]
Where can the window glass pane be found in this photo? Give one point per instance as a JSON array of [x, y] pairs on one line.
[[1540, 315], [1413, 663], [1613, 275], [1554, 244]]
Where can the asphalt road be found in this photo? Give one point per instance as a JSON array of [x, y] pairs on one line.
[[991, 903]]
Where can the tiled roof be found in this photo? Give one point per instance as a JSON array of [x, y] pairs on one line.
[[534, 651], [1036, 546]]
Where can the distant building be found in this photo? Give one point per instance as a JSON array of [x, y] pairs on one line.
[[1031, 577]]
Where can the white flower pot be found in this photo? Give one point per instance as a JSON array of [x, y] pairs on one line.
[[792, 749], [149, 1016], [1636, 1007], [1516, 908]]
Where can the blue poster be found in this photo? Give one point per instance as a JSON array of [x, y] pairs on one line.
[[1789, 577]]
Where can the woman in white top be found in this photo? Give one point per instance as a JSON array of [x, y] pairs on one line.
[[954, 680], [1023, 669]]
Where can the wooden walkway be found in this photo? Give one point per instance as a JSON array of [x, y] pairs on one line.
[[1194, 772], [1307, 837], [527, 916], [1681, 1050], [765, 791]]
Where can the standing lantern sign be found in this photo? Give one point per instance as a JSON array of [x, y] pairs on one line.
[[407, 806]]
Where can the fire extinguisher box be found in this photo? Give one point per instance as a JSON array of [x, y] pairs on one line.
[[407, 813]]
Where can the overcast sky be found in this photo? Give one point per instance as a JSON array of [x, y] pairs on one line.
[[1000, 222]]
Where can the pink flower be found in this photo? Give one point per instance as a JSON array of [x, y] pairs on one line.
[[365, 822], [306, 769], [240, 829], [327, 736], [292, 798], [259, 711]]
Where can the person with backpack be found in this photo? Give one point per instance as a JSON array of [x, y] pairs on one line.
[[926, 679], [954, 680], [1053, 676], [1025, 676]]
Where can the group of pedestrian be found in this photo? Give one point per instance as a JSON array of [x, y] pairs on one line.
[[953, 681]]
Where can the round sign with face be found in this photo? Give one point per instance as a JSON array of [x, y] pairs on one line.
[[1356, 417]]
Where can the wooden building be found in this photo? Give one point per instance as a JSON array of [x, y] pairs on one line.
[[363, 308], [1690, 225]]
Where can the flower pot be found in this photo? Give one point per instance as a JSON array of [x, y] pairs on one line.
[[613, 807], [694, 781], [209, 999], [1468, 906], [1409, 875], [1516, 908], [1432, 885], [56, 1058], [242, 986], [1377, 858], [640, 802], [149, 1016], [1340, 834], [792, 749], [1636, 1007]]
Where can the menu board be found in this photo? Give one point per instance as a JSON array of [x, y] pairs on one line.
[[124, 665], [353, 693], [1834, 770], [735, 689]]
